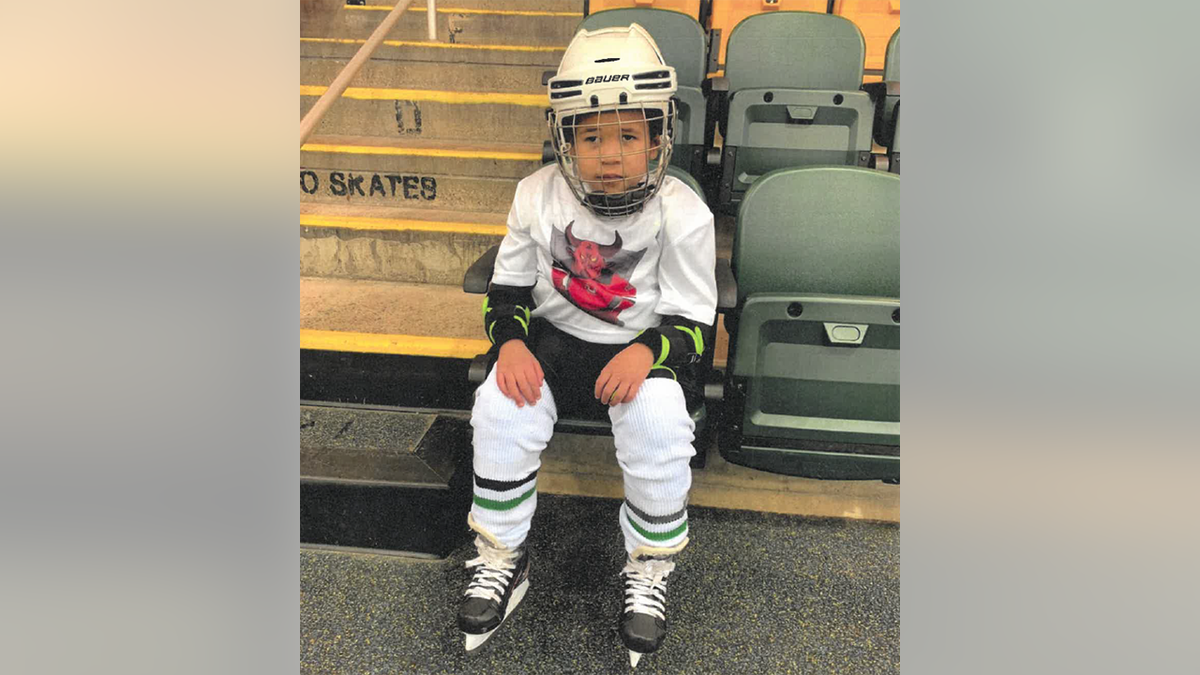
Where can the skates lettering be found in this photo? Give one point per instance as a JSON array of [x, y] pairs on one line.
[[594, 277]]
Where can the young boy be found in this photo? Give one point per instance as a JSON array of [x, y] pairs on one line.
[[602, 291]]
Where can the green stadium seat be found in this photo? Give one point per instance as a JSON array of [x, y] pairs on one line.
[[684, 46], [813, 377], [790, 96], [887, 106]]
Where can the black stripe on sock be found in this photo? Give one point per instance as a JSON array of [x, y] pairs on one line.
[[656, 519], [503, 485]]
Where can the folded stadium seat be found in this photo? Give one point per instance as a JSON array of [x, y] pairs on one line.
[[813, 377], [723, 15], [478, 277], [697, 9], [684, 46], [790, 96]]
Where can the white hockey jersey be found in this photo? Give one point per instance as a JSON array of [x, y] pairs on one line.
[[604, 280]]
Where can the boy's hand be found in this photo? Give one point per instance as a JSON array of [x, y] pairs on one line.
[[624, 374], [519, 374]]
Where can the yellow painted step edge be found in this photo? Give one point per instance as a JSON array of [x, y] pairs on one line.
[[461, 10], [378, 343], [460, 97], [420, 152], [410, 345], [438, 45], [399, 225]]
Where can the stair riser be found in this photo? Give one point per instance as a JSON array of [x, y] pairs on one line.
[[413, 164], [412, 190], [501, 5], [399, 119], [457, 53], [406, 256], [427, 75], [501, 29]]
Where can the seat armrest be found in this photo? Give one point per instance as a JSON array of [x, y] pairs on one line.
[[715, 84], [716, 101], [480, 365], [886, 97], [726, 286], [880, 90], [479, 274]]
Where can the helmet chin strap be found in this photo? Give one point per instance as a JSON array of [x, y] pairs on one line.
[[621, 204]]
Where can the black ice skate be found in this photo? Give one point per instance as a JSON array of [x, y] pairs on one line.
[[497, 587], [644, 618]]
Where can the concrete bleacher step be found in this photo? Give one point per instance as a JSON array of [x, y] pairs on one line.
[[394, 244], [402, 71], [494, 159], [360, 308], [414, 51], [414, 173], [457, 24], [383, 478], [402, 112]]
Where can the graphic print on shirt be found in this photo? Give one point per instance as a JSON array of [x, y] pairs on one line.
[[593, 276]]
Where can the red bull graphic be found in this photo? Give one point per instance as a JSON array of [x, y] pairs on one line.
[[593, 276]]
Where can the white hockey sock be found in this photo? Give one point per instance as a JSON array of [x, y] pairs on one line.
[[508, 443], [653, 435]]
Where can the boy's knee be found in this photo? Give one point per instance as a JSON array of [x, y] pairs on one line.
[[658, 408], [492, 408]]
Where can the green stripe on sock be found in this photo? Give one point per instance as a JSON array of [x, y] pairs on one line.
[[504, 506], [658, 536]]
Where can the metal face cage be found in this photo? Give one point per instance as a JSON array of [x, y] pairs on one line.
[[615, 158]]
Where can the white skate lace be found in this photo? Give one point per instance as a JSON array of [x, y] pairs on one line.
[[495, 569], [646, 586]]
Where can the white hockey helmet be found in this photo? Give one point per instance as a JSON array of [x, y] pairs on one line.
[[610, 80]]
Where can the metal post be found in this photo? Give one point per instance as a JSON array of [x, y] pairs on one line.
[[343, 79], [432, 18]]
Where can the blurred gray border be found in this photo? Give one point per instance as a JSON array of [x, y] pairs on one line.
[[1049, 278]]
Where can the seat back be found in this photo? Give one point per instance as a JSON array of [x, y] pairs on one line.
[[795, 50], [877, 19], [814, 356], [692, 8], [725, 16], [891, 63], [827, 230], [794, 98], [684, 47], [688, 179]]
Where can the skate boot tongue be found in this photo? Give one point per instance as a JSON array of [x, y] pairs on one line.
[[494, 568]]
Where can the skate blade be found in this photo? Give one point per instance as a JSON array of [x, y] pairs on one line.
[[634, 657], [475, 641]]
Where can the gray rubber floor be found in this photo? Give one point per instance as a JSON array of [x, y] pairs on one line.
[[753, 593]]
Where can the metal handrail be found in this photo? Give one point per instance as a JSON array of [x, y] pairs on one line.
[[342, 81]]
